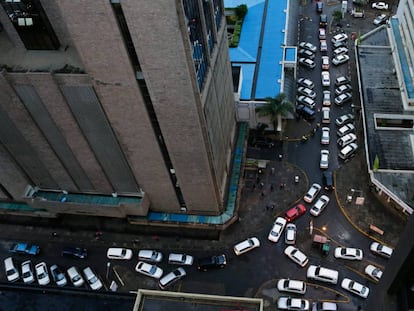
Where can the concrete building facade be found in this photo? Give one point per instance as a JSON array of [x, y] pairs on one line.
[[116, 107]]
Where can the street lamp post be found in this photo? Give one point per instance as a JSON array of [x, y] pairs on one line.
[[108, 266]]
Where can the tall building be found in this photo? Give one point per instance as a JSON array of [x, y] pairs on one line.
[[114, 107]]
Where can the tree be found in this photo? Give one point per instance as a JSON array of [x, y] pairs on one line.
[[337, 16], [275, 108], [241, 11]]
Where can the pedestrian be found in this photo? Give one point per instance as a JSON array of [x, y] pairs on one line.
[[280, 157], [257, 179], [272, 170], [261, 185], [267, 207], [254, 187], [271, 188], [262, 194], [272, 207], [281, 186]]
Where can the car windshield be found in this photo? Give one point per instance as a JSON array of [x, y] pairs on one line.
[[153, 269]]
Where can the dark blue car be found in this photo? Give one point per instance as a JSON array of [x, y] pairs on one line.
[[25, 249]]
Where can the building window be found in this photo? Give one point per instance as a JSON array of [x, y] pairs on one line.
[[217, 12], [32, 24], [393, 122], [209, 24]]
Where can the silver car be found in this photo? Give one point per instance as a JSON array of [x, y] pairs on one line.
[[150, 255]]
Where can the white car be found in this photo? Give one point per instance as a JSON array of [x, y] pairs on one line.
[[119, 253], [325, 62], [11, 272], [291, 286], [323, 46], [27, 272], [344, 119], [343, 98], [93, 281], [297, 256], [346, 139], [312, 193], [42, 274], [149, 255], [381, 250], [180, 259], [307, 45], [306, 101], [149, 270], [326, 80], [322, 274], [339, 38], [340, 50], [290, 234], [342, 80], [348, 151], [380, 6], [343, 89], [373, 272], [320, 205], [246, 246], [306, 83], [380, 19], [307, 92], [355, 287], [58, 276], [75, 277], [172, 277], [277, 229], [307, 62], [340, 59], [289, 303], [324, 162], [326, 101], [346, 129], [325, 136], [348, 253]]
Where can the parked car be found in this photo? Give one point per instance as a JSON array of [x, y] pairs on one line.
[[58, 276], [75, 277], [307, 92], [277, 229], [324, 306], [340, 50], [25, 249], [322, 34], [346, 140], [27, 272], [119, 253], [42, 274], [262, 142], [343, 89], [149, 270], [339, 37], [381, 250], [295, 212], [343, 99], [307, 62], [319, 6], [306, 83], [326, 101], [290, 234], [149, 255], [380, 6], [289, 303], [326, 115], [180, 259], [92, 279], [207, 263], [305, 112], [342, 80], [296, 256], [323, 20], [338, 44], [340, 59], [346, 129], [75, 252], [349, 253], [327, 180], [306, 53], [326, 80], [322, 274], [246, 246], [12, 273], [355, 287], [348, 151], [320, 205], [306, 101], [324, 161], [373, 272], [309, 46], [325, 62], [171, 278], [325, 136], [291, 286], [380, 19], [323, 46], [312, 193], [344, 119]]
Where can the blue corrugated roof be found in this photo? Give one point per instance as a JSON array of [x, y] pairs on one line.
[[269, 71], [290, 55], [403, 59]]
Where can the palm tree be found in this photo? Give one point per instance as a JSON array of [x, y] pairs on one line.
[[275, 108]]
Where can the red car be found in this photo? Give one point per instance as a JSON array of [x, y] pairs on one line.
[[295, 212]]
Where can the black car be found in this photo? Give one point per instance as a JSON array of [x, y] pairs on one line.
[[262, 142], [327, 179], [323, 20], [319, 6], [75, 252], [207, 263], [305, 112]]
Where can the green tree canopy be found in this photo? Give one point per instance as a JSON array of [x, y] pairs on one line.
[[275, 108]]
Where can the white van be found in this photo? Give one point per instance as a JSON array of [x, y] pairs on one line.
[[326, 119], [11, 272], [322, 274]]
